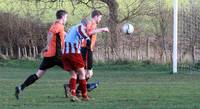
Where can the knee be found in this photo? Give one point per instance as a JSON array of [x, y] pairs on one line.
[[89, 74], [81, 74], [73, 75], [40, 73]]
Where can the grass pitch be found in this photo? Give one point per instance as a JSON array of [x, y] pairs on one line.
[[122, 86]]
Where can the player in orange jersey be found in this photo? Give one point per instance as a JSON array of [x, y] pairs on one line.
[[52, 52], [92, 30]]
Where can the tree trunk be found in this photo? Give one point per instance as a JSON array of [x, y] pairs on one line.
[[123, 51], [164, 54], [160, 55], [154, 52], [34, 51], [11, 52], [131, 52], [30, 51], [138, 49], [25, 52], [19, 52], [113, 22], [180, 56], [137, 54], [171, 58], [193, 54], [7, 54], [147, 48]]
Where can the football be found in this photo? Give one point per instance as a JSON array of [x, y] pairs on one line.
[[127, 28]]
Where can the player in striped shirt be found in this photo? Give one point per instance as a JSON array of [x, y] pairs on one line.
[[72, 58], [87, 51]]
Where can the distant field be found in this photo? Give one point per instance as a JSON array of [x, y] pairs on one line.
[[123, 86]]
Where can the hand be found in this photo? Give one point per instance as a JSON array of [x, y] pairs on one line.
[[105, 29]]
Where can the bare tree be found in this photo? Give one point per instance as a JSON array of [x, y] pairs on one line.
[[189, 31], [161, 21], [20, 34], [134, 8]]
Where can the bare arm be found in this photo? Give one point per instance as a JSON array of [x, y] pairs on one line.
[[99, 30], [49, 37]]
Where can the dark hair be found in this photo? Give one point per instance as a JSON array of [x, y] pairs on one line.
[[60, 13], [96, 13]]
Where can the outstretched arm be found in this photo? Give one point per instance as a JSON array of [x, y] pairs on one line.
[[98, 30]]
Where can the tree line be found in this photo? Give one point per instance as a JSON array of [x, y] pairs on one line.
[[21, 37]]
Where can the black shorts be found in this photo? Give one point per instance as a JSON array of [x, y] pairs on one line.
[[87, 55], [49, 62]]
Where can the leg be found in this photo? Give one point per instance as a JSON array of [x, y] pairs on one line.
[[83, 53], [89, 72], [88, 59], [72, 85], [92, 86], [67, 67], [72, 82], [32, 78], [78, 89], [58, 62], [76, 64], [46, 64], [82, 82]]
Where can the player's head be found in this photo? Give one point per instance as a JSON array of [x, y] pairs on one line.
[[62, 15], [85, 22], [96, 16]]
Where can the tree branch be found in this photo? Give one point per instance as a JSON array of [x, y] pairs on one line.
[[134, 9]]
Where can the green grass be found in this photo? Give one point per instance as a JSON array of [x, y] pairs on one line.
[[123, 86]]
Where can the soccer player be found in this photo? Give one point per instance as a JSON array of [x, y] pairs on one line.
[[87, 52], [92, 30], [52, 52], [72, 59]]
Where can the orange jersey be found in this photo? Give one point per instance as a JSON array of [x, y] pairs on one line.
[[90, 27], [56, 28]]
